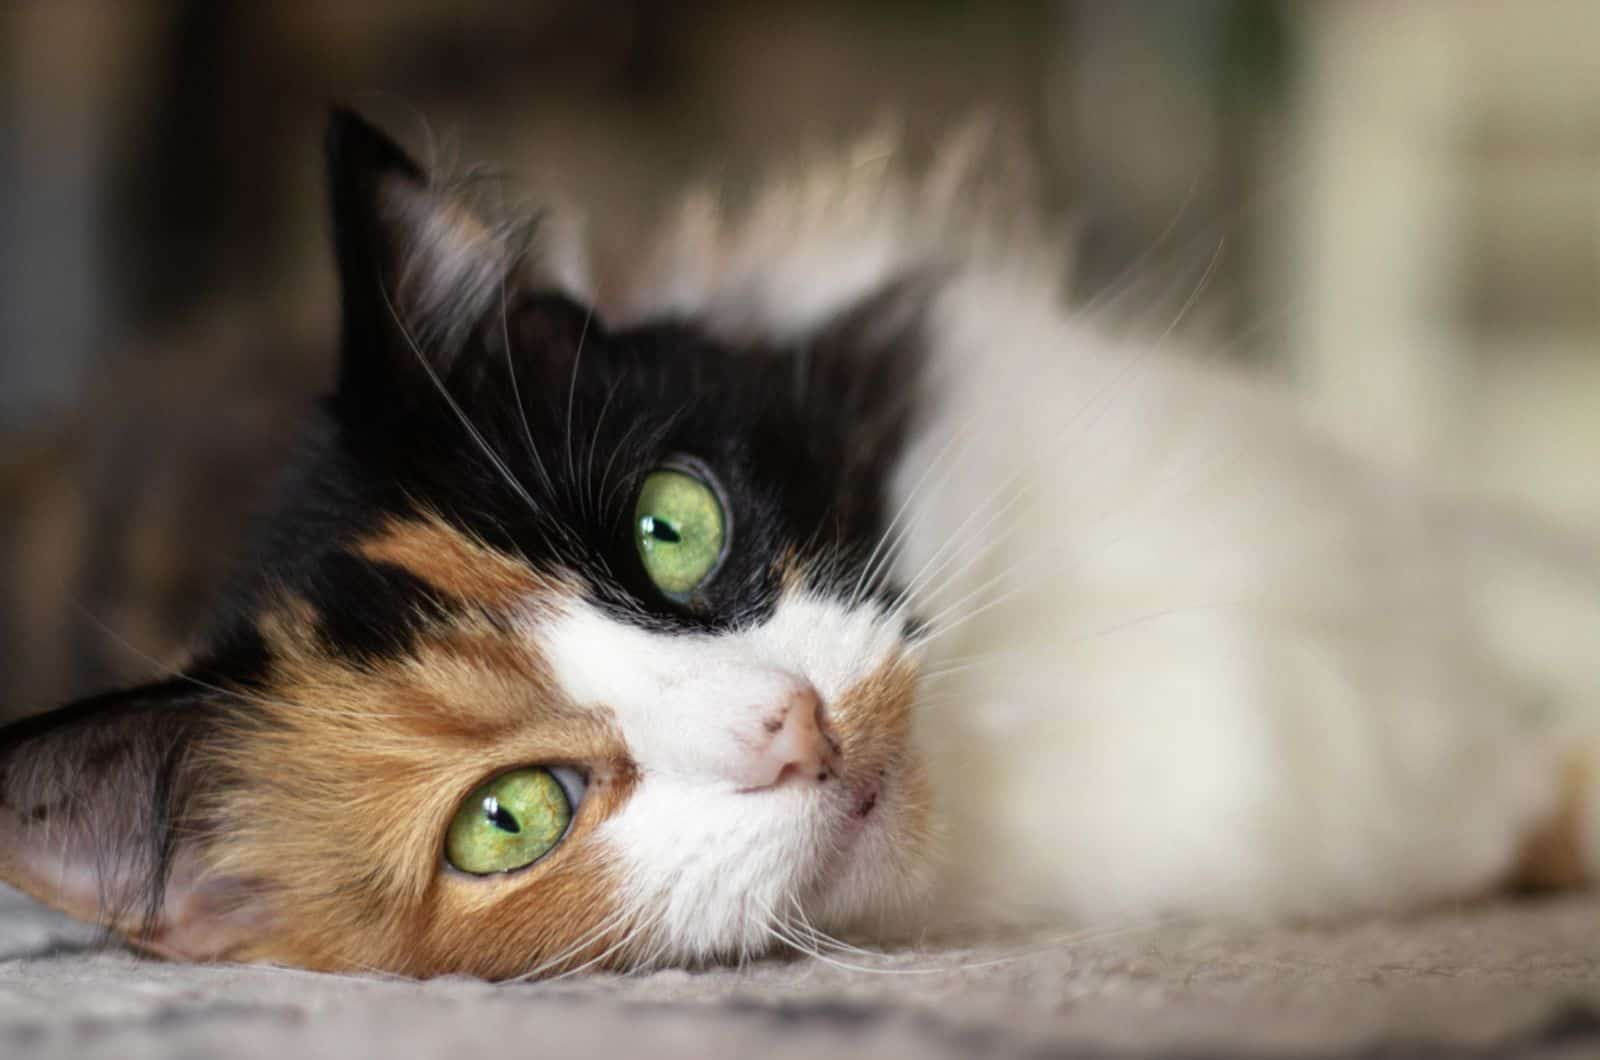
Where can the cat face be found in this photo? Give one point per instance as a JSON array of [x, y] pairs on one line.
[[571, 647]]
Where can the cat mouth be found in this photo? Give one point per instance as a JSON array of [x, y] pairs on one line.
[[865, 798], [861, 809]]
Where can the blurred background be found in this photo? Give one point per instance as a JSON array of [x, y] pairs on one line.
[[1395, 203]]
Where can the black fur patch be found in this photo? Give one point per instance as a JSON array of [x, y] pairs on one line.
[[369, 610]]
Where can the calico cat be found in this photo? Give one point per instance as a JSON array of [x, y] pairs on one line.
[[828, 577]]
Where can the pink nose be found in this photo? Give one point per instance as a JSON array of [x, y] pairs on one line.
[[796, 743]]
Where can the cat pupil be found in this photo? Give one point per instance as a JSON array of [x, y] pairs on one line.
[[499, 816], [661, 530]]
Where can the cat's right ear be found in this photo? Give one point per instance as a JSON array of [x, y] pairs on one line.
[[418, 271]]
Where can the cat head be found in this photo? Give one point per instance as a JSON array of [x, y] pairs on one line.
[[572, 646]]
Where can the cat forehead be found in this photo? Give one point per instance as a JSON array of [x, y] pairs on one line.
[[501, 481], [557, 374]]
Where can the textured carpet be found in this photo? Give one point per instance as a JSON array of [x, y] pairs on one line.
[[1512, 978]]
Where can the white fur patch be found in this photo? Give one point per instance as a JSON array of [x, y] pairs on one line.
[[1202, 662], [709, 864]]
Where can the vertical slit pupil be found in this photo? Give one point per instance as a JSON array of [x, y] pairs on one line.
[[499, 816], [661, 530]]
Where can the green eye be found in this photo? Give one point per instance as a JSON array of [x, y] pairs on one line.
[[513, 820], [679, 527]]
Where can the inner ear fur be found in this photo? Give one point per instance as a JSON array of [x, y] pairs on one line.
[[419, 269], [100, 817]]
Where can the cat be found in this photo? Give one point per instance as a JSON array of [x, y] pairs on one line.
[[829, 577]]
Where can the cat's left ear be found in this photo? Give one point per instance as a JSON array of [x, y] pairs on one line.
[[100, 817], [418, 270]]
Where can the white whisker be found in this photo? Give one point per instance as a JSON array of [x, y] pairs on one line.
[[455, 406], [572, 392], [949, 550], [516, 392], [239, 694]]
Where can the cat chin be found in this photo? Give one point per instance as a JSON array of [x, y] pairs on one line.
[[877, 880], [874, 898], [846, 860]]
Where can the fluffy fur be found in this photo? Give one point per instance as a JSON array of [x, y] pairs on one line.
[[1186, 655], [1015, 621]]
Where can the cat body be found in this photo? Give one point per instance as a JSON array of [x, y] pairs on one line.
[[825, 577], [1199, 658]]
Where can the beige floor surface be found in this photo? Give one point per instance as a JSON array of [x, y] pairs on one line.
[[1509, 978]]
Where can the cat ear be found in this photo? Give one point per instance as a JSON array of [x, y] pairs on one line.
[[99, 818], [418, 271]]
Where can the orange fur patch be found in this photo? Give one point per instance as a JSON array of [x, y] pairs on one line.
[[344, 779], [454, 563]]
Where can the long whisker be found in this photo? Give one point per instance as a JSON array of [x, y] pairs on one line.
[[594, 443], [821, 937], [1014, 484], [648, 963], [1100, 396], [783, 933], [516, 392], [660, 432], [637, 930], [1217, 227], [864, 583], [1112, 293], [588, 938], [934, 622], [606, 499], [244, 696], [945, 462], [488, 451], [950, 549], [572, 390], [1062, 644]]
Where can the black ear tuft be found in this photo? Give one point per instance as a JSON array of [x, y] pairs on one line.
[[418, 271], [359, 156], [360, 160], [100, 816]]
